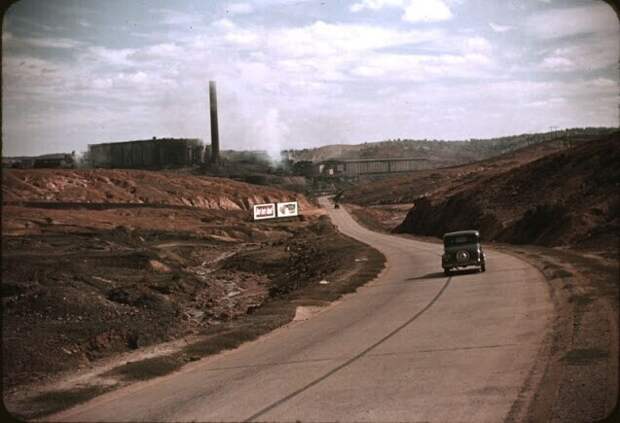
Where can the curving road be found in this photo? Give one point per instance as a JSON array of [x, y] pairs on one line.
[[413, 345]]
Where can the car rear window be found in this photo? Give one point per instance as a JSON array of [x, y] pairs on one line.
[[460, 240]]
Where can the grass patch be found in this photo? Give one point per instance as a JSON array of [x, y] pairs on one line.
[[551, 270], [148, 368], [546, 264], [249, 328], [311, 302], [584, 356], [222, 342], [51, 402], [580, 300], [561, 273], [365, 217], [216, 342], [345, 282]]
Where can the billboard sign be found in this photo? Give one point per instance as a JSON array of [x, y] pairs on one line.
[[264, 211], [288, 209]]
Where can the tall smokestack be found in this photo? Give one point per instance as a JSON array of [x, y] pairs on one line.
[[215, 136]]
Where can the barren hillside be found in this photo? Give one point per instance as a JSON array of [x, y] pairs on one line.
[[568, 197], [97, 262], [405, 188], [440, 153], [136, 187]]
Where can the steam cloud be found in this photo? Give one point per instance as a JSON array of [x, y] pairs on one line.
[[272, 133]]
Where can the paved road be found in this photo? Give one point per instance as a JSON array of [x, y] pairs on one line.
[[413, 345]]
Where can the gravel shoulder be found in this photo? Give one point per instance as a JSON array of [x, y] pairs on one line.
[[581, 377]]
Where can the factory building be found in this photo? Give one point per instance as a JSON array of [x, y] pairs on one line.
[[160, 153], [354, 168], [156, 153], [58, 161]]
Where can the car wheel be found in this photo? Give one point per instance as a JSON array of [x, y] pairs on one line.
[[447, 272], [483, 267], [462, 256]]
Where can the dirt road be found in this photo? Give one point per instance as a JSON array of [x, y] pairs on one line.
[[413, 345]]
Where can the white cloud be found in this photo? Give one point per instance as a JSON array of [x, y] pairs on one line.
[[558, 23], [585, 55], [396, 67], [239, 8], [376, 4], [41, 42], [137, 81], [550, 102], [177, 18], [109, 57], [558, 63], [157, 51], [324, 39], [241, 36], [530, 105], [224, 24], [414, 10], [500, 28], [476, 44], [21, 71], [427, 11]]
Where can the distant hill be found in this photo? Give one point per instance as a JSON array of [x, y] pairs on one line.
[[407, 187], [444, 153]]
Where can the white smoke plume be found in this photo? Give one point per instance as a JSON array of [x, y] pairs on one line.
[[271, 133]]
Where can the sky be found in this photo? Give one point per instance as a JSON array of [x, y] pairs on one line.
[[303, 73]]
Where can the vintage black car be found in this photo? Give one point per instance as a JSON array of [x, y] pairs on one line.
[[462, 249]]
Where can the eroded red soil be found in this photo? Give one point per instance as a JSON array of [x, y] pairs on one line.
[[102, 261]]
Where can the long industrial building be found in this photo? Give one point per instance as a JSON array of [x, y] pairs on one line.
[[156, 153], [353, 168]]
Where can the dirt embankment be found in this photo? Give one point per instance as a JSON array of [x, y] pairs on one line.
[[133, 187], [102, 262], [566, 198]]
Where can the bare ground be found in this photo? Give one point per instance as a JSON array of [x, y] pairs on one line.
[[163, 271]]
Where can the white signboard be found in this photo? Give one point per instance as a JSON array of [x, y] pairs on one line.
[[264, 211], [288, 209]]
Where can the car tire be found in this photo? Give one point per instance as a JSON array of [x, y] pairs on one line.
[[462, 256], [447, 272], [483, 267]]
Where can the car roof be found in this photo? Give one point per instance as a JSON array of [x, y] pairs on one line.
[[461, 233]]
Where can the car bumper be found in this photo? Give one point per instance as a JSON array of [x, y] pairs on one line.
[[451, 264]]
